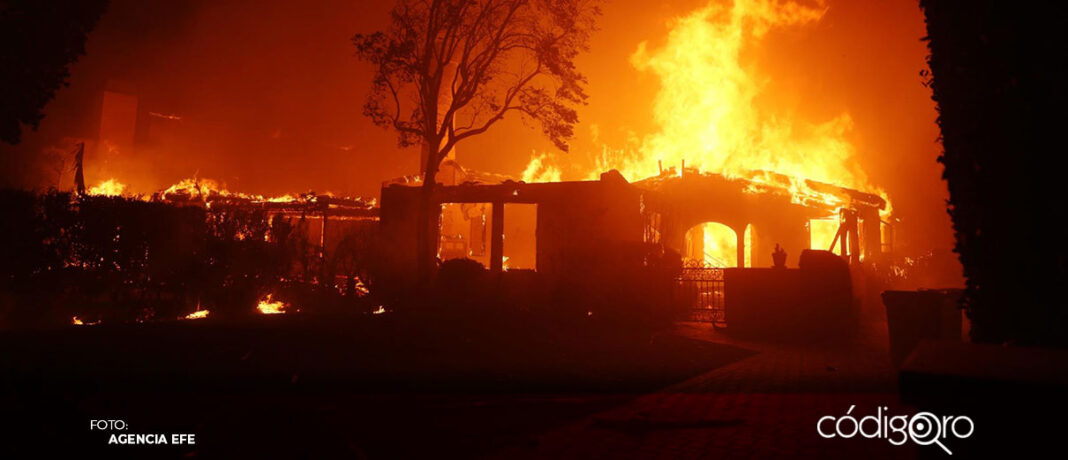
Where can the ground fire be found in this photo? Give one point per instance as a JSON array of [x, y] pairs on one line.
[[271, 307]]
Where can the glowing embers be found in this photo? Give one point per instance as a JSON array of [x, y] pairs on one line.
[[269, 306], [80, 322], [199, 314]]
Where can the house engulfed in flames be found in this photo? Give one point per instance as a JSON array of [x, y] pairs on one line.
[[578, 234], [761, 211]]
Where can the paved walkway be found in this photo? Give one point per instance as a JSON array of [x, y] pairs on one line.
[[763, 406]]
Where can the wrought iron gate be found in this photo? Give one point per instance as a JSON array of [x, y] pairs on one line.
[[701, 290]]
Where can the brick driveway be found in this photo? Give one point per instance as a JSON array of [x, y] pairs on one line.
[[763, 406]]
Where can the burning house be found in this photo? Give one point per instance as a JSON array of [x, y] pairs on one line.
[[717, 173], [762, 210], [584, 232], [591, 239], [765, 216]]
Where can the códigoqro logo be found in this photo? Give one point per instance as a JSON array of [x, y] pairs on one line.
[[923, 428]]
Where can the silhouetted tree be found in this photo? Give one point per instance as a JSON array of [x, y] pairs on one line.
[[448, 70], [38, 41]]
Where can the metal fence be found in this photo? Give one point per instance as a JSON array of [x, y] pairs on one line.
[[702, 290]]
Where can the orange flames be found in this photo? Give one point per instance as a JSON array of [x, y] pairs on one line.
[[822, 232], [110, 187], [709, 113], [79, 322], [198, 314], [207, 189], [540, 170], [720, 246], [714, 116], [267, 306]]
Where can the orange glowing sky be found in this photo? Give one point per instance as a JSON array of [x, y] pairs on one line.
[[270, 96]]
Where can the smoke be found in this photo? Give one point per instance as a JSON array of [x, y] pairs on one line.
[[262, 96], [266, 97]]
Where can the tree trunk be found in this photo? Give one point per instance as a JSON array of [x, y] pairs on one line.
[[427, 221]]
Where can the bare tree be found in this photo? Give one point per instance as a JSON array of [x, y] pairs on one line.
[[448, 70]]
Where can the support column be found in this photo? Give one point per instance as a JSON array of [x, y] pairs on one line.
[[740, 246], [696, 236], [497, 238], [870, 227], [851, 235]]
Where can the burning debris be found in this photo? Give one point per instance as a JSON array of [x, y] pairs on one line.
[[199, 314], [79, 322], [208, 193], [267, 306]]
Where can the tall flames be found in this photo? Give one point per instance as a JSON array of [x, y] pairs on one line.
[[708, 110], [714, 116], [540, 169]]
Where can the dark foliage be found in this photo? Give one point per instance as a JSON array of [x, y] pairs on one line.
[[484, 60], [38, 41], [998, 76], [117, 259], [356, 257], [461, 281]]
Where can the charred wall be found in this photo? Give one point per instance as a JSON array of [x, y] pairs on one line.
[[588, 234], [589, 237]]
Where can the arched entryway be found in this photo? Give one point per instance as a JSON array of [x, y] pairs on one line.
[[712, 244]]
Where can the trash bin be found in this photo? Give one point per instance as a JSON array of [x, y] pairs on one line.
[[924, 314]]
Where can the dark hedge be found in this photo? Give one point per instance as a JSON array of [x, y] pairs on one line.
[[997, 72]]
